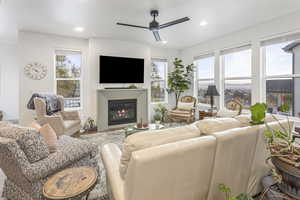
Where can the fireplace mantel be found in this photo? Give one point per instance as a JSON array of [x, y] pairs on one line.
[[104, 95]]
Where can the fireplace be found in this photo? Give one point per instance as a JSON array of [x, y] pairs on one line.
[[122, 111]]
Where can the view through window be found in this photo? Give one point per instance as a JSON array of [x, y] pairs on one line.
[[205, 77], [158, 80], [281, 82], [68, 77], [237, 77]]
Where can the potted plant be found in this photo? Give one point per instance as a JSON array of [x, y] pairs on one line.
[[285, 156], [180, 79], [157, 118], [162, 110], [258, 113], [223, 188]]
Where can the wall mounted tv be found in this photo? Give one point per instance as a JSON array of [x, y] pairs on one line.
[[121, 70]]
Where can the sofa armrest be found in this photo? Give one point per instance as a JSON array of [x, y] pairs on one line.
[[56, 122], [70, 115], [111, 155]]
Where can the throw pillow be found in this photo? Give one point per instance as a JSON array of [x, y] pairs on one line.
[[185, 106], [148, 139], [33, 145], [227, 113], [35, 125], [209, 126], [50, 137]]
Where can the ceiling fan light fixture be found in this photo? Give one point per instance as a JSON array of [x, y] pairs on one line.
[[164, 41]]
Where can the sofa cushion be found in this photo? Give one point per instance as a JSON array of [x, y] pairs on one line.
[[245, 119], [148, 139], [212, 125], [29, 140], [227, 113]]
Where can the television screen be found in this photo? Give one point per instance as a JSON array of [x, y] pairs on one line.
[[121, 70]]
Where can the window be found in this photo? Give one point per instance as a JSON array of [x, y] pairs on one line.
[[281, 79], [158, 81], [205, 77], [68, 77], [237, 76]]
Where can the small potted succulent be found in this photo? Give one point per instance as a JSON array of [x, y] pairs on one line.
[[258, 113], [157, 118], [162, 110]]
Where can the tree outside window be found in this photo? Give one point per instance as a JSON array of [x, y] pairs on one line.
[[68, 77]]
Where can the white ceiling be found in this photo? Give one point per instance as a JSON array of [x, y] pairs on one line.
[[98, 17]]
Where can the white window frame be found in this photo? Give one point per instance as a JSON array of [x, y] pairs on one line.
[[157, 80], [224, 79], [79, 52], [264, 44], [198, 79]]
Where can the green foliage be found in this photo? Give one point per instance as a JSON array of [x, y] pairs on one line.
[[225, 189], [284, 108], [180, 79], [162, 110], [258, 113], [157, 117]]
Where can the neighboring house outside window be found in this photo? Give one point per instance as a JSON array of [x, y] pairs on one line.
[[205, 76], [68, 77], [282, 79], [237, 76], [159, 81]]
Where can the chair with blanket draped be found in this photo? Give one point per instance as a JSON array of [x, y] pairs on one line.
[[63, 122], [185, 110]]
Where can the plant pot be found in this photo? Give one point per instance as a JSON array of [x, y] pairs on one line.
[[290, 177]]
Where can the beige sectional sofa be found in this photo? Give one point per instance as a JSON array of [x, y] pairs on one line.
[[189, 162]]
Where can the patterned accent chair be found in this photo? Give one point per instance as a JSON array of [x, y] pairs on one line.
[[64, 122], [185, 110], [27, 163]]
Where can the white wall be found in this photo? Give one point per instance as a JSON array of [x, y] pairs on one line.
[[253, 35], [9, 81], [36, 47]]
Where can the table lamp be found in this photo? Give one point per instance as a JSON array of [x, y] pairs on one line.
[[212, 92]]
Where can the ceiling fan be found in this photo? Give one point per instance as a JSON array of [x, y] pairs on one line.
[[154, 26]]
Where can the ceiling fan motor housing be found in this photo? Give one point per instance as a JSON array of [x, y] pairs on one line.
[[154, 26]]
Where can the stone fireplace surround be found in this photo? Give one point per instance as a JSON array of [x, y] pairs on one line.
[[104, 95]]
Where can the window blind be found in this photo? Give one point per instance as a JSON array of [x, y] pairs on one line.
[[66, 52], [236, 49], [281, 39], [203, 56]]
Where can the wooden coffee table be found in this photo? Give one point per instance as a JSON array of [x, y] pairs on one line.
[[72, 183]]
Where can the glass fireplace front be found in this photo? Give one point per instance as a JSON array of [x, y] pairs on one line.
[[122, 111]]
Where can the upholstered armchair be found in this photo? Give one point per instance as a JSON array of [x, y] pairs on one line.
[[27, 163], [185, 110], [63, 122]]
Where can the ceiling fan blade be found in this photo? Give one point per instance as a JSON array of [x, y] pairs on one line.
[[156, 35], [174, 22], [135, 26]]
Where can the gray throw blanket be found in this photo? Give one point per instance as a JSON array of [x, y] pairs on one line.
[[52, 103]]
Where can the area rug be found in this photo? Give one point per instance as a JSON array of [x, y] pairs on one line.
[[116, 137]]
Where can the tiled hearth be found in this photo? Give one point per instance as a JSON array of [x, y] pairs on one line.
[[117, 108]]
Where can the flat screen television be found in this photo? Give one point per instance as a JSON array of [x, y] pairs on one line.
[[121, 70]]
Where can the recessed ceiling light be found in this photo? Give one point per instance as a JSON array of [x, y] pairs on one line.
[[203, 23], [79, 29], [164, 42]]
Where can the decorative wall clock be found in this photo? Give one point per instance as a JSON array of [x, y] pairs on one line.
[[35, 71]]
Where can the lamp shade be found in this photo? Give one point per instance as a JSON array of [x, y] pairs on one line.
[[212, 91]]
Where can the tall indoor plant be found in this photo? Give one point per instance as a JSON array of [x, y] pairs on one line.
[[180, 79]]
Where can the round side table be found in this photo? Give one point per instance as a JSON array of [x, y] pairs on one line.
[[71, 184]]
